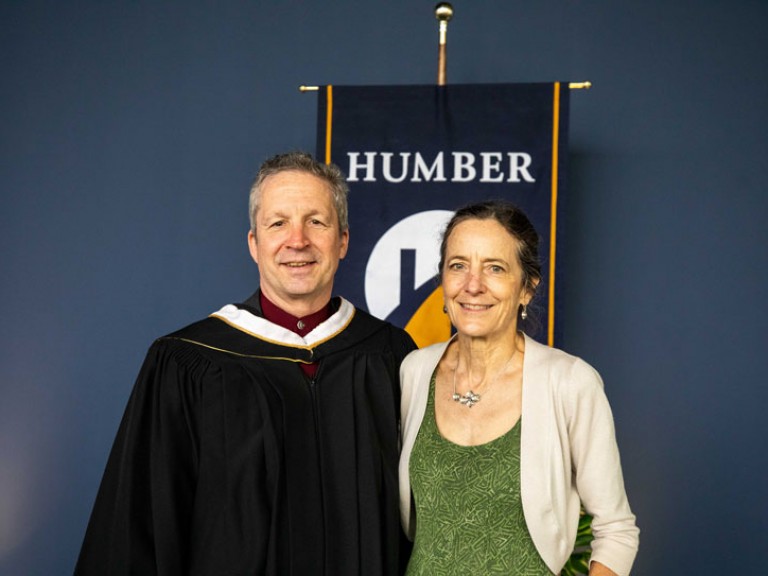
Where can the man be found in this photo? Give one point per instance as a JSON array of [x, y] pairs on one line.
[[263, 439]]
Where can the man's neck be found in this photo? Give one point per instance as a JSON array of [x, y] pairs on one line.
[[297, 307], [300, 324]]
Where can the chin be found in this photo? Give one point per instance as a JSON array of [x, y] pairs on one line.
[[301, 288], [478, 330], [474, 331]]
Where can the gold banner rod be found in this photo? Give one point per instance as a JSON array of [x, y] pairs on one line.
[[572, 85]]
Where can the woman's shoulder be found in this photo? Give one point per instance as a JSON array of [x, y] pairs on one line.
[[427, 357], [561, 366]]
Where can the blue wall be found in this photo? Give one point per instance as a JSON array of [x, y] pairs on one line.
[[130, 133]]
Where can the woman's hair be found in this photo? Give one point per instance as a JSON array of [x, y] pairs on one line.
[[302, 162], [515, 222]]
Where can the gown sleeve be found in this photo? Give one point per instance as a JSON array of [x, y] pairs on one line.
[[142, 515]]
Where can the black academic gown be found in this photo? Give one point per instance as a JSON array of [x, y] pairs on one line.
[[229, 461]]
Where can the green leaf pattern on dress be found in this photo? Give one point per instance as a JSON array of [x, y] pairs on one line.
[[469, 516]]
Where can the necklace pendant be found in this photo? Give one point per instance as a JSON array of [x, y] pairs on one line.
[[468, 399]]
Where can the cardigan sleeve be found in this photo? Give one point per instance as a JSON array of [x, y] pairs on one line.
[[415, 372], [597, 469]]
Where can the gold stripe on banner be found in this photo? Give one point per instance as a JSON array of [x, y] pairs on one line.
[[553, 223], [328, 122]]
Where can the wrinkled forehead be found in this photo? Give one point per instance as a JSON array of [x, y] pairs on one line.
[[296, 188], [482, 229]]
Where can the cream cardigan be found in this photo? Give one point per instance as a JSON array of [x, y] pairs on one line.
[[568, 454]]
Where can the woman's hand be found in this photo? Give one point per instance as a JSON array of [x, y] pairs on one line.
[[597, 569]]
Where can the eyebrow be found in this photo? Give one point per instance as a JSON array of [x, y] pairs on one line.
[[282, 214], [485, 261]]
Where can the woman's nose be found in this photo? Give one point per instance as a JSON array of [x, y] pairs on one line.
[[474, 283]]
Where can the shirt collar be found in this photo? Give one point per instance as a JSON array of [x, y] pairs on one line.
[[301, 326]]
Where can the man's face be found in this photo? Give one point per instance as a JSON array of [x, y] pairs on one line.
[[297, 244]]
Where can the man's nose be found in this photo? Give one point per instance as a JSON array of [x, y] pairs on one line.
[[297, 237]]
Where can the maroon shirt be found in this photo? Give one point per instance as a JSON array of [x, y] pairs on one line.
[[301, 326]]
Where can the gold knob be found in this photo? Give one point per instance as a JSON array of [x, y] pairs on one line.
[[443, 12]]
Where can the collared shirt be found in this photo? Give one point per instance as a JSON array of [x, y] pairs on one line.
[[301, 326]]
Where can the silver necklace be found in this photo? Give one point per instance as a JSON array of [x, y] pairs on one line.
[[469, 398]]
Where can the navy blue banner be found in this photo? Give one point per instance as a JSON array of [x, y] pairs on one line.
[[413, 155]]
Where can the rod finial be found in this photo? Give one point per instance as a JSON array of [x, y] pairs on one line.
[[444, 11]]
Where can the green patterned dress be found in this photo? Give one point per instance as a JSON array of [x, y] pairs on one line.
[[469, 516]]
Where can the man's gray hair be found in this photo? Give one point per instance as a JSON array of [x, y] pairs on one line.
[[302, 162]]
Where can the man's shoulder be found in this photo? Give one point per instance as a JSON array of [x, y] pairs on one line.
[[366, 333], [212, 334], [208, 327], [365, 320]]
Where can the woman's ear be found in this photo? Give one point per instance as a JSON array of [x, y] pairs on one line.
[[530, 290]]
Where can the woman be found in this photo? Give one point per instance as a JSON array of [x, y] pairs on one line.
[[504, 438]]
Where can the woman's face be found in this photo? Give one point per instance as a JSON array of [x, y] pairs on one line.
[[483, 284]]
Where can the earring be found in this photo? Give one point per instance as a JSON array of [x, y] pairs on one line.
[[445, 310], [524, 313]]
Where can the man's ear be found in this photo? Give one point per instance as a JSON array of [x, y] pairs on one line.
[[344, 244], [252, 246]]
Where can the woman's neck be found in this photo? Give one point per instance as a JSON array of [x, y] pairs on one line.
[[480, 358]]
